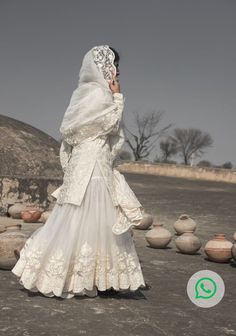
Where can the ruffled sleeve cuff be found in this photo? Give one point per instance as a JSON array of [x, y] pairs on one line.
[[118, 98]]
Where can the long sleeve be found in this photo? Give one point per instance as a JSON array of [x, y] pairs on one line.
[[116, 142], [108, 108], [119, 101], [65, 153], [112, 120]]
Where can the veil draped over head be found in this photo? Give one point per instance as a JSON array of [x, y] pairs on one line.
[[92, 100]]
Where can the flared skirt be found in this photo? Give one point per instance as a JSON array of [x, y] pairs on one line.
[[75, 252]]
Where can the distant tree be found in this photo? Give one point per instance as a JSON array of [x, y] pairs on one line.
[[189, 142], [204, 163], [168, 149], [227, 165], [143, 141]]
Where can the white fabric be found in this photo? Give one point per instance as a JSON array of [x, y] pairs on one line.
[[86, 243], [101, 139], [75, 252], [92, 100]]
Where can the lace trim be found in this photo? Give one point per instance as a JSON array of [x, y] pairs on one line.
[[65, 154], [86, 269], [116, 143], [104, 59]]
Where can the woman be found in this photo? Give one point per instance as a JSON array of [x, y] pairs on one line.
[[86, 243]]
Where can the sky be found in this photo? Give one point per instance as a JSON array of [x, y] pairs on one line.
[[177, 56]]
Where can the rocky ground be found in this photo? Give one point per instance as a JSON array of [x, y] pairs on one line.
[[163, 309]]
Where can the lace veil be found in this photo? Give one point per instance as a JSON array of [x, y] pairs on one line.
[[92, 100]]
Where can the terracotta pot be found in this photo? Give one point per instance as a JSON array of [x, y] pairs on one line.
[[146, 222], [45, 215], [188, 243], [219, 248], [158, 237], [12, 238], [16, 209], [233, 250], [184, 224], [31, 214]]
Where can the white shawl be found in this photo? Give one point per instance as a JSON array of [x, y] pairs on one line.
[[92, 101]]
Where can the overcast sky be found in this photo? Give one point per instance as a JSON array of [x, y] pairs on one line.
[[176, 55]]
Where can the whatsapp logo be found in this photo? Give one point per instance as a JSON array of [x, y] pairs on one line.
[[205, 288]]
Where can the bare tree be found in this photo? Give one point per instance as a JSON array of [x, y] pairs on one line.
[[227, 165], [145, 139], [204, 163], [190, 141], [168, 149]]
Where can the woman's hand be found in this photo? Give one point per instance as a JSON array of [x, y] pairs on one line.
[[114, 84]]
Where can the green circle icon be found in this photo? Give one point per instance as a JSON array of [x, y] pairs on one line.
[[205, 288]]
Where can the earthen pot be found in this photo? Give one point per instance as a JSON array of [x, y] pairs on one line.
[[188, 243], [31, 214], [16, 209], [12, 238], [219, 248], [146, 222], [233, 250], [184, 224], [158, 237]]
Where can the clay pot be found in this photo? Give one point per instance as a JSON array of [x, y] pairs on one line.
[[45, 215], [219, 248], [146, 222], [16, 209], [233, 250], [12, 238], [188, 243], [31, 214], [158, 237], [184, 224]]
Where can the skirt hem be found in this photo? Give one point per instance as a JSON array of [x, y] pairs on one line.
[[84, 292]]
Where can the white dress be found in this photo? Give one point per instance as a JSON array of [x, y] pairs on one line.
[[86, 243], [87, 247]]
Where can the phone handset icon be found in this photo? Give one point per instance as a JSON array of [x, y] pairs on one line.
[[203, 292], [204, 289]]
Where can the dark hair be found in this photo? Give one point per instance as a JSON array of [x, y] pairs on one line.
[[117, 56]]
